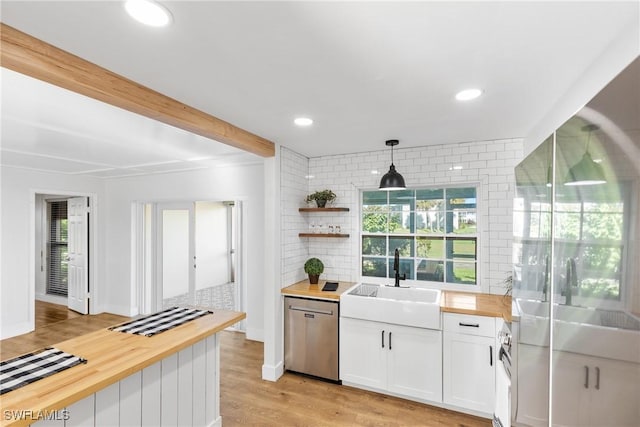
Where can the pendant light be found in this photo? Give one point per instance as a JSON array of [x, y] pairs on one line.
[[586, 171], [392, 180]]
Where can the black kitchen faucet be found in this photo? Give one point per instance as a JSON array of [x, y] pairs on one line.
[[396, 268]]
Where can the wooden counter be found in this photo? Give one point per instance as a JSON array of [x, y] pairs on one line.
[[111, 357], [306, 290], [476, 304]]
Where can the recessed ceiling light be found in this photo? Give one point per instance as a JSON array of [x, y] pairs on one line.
[[468, 94], [375, 172], [148, 12], [455, 168], [303, 121], [309, 176]]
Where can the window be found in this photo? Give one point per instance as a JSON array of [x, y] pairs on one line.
[[434, 230], [591, 232], [57, 250], [589, 228]]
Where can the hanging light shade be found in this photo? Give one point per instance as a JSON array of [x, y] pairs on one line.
[[392, 180], [586, 171]]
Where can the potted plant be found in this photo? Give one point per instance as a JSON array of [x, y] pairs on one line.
[[314, 268], [321, 197]]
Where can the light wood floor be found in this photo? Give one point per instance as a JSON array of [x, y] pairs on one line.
[[247, 400]]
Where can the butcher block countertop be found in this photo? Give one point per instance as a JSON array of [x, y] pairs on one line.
[[451, 302], [111, 356], [306, 290], [476, 304]]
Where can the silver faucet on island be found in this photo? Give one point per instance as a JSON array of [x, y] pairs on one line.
[[571, 281], [396, 268]]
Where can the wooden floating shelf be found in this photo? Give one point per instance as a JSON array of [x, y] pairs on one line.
[[323, 209], [322, 235]]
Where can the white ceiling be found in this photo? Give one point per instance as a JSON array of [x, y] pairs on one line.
[[364, 71]]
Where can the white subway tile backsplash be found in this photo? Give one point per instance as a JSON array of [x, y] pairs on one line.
[[489, 162]]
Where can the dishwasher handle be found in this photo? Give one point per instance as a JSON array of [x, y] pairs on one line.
[[311, 310]]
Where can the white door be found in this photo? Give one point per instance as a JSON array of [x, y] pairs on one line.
[[176, 254], [78, 246]]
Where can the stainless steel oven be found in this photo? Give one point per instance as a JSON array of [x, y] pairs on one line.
[[502, 413]]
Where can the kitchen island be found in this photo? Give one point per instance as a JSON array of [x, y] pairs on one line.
[[172, 378]]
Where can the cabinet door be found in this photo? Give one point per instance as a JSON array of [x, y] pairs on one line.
[[533, 385], [469, 371], [414, 361], [362, 356], [570, 389], [615, 396]]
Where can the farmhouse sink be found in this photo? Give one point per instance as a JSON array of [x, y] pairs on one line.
[[595, 332], [409, 306]]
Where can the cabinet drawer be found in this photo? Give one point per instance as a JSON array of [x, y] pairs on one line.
[[470, 325]]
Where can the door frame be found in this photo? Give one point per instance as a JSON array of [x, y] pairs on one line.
[[144, 257], [92, 259]]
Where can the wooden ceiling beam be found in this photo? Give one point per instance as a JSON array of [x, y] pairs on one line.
[[27, 55]]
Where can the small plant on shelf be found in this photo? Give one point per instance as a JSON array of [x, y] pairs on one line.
[[321, 197], [314, 268]]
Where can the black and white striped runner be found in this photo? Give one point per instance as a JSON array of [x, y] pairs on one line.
[[161, 321], [29, 368]]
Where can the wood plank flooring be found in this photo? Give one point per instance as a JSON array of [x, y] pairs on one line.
[[247, 400], [296, 400]]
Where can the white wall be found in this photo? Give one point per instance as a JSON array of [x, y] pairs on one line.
[[225, 183], [17, 285], [614, 59], [293, 190]]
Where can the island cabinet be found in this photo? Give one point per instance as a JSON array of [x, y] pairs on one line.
[[169, 379], [399, 360], [469, 355]]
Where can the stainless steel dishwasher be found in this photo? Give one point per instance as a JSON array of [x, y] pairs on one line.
[[311, 337]]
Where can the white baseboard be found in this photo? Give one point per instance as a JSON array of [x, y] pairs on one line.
[[121, 310], [216, 423], [8, 331], [272, 373]]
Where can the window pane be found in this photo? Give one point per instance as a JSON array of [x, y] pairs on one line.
[[430, 207], [431, 270], [461, 249], [406, 267], [374, 245], [374, 198], [400, 222], [374, 222], [568, 225], [429, 247], [403, 244], [430, 222], [461, 198], [403, 200], [463, 272], [602, 226], [464, 222], [374, 267]]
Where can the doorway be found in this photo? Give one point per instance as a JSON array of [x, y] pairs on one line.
[[192, 255], [61, 256]]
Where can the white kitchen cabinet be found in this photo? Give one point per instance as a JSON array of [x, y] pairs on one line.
[[401, 360], [594, 391], [533, 385], [469, 358]]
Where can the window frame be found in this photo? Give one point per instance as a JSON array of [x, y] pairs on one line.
[[478, 236]]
